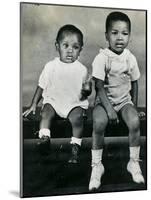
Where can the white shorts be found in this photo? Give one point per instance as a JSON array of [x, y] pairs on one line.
[[117, 107]]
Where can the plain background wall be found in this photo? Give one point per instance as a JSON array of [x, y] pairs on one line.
[[39, 26]]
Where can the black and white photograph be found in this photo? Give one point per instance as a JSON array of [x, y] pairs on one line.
[[83, 91]]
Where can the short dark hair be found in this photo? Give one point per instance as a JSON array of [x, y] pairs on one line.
[[68, 28], [115, 16]]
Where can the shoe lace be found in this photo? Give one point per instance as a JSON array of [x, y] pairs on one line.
[[136, 159], [96, 164]]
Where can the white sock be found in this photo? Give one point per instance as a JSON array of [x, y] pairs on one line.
[[96, 155], [75, 140], [134, 152], [44, 132]]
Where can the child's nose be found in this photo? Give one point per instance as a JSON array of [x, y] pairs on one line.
[[70, 49], [119, 36]]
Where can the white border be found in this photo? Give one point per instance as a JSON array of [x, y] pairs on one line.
[[9, 101]]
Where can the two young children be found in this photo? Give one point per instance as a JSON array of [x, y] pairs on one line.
[[64, 86]]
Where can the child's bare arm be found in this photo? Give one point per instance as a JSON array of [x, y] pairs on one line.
[[134, 92], [35, 100], [100, 91]]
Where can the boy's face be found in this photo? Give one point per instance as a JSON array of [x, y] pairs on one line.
[[69, 48], [118, 36]]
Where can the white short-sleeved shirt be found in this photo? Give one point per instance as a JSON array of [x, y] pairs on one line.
[[62, 84], [117, 71]]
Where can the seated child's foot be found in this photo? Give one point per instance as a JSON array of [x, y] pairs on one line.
[[75, 150], [96, 175], [134, 169], [44, 144]]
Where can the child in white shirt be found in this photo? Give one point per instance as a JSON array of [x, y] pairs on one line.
[[115, 72], [62, 85]]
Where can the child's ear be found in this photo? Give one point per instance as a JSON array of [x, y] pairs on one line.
[[57, 46], [106, 36], [81, 48]]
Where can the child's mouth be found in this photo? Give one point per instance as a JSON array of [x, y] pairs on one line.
[[119, 45], [69, 57]]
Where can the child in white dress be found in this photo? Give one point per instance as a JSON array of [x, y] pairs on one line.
[[62, 86]]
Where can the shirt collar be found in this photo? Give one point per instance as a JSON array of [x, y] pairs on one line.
[[111, 54]]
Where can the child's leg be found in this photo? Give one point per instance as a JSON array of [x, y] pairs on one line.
[[76, 120], [100, 121], [47, 115], [131, 119]]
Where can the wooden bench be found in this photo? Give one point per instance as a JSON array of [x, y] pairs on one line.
[[61, 128]]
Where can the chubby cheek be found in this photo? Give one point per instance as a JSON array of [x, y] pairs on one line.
[[78, 53], [127, 41], [112, 43]]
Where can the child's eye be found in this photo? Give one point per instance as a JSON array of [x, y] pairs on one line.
[[65, 45], [114, 32], [125, 33], [76, 47]]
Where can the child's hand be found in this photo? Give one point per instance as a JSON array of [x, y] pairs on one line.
[[86, 90], [141, 114], [31, 109], [113, 118]]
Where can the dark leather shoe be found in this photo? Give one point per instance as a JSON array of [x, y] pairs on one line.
[[43, 145], [75, 151]]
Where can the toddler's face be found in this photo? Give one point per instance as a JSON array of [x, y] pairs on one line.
[[69, 48], [118, 36]]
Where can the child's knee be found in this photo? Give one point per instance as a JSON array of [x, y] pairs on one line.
[[134, 124], [100, 119], [76, 115], [77, 118], [47, 112], [99, 123]]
